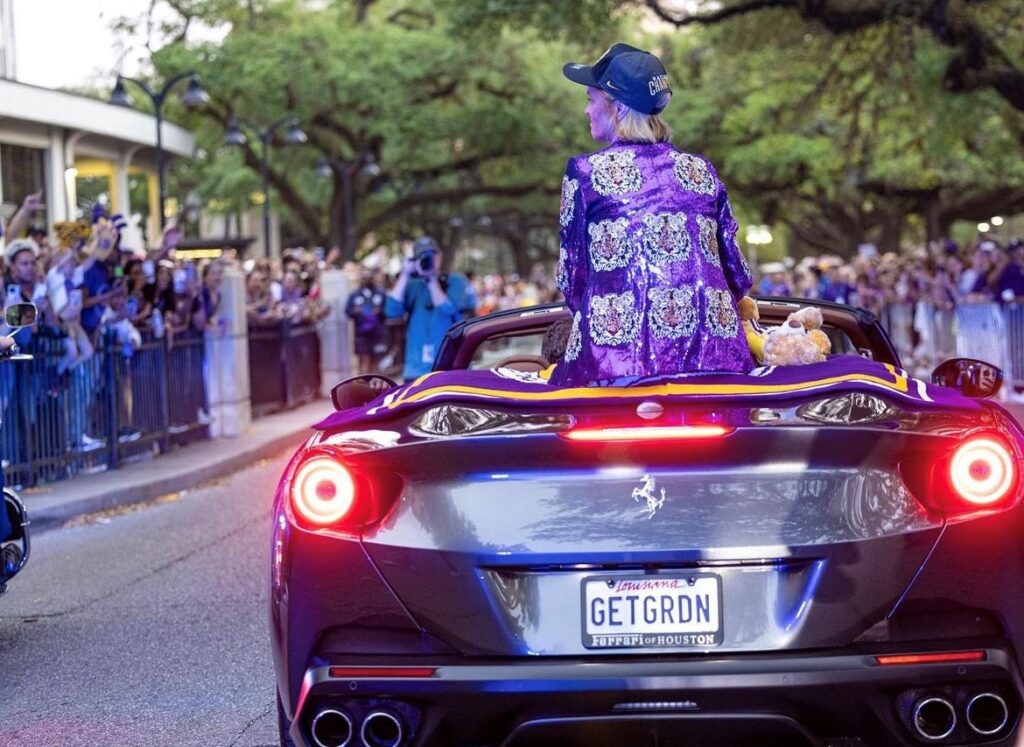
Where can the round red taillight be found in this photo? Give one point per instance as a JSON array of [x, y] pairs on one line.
[[982, 471], [323, 491]]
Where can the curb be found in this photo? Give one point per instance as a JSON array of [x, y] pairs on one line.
[[138, 488]]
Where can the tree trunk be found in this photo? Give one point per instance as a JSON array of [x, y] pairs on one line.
[[892, 230]]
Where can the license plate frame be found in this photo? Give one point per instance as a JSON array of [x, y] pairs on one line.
[[698, 635]]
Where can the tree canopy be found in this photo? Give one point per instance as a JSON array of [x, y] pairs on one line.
[[842, 121]]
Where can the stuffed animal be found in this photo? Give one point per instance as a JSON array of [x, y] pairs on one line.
[[800, 340], [755, 334]]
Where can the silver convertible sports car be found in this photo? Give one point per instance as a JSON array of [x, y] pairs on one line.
[[824, 555]]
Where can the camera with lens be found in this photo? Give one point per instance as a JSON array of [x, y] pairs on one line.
[[425, 262]]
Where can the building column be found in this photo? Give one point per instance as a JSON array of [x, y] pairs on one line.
[[227, 362], [121, 190], [335, 331], [57, 198]]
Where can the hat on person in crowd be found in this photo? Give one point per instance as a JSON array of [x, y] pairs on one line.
[[988, 246], [424, 244], [16, 247], [627, 74], [770, 268]]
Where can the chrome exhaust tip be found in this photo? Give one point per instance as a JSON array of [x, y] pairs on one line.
[[933, 718], [987, 714], [382, 729], [332, 728]]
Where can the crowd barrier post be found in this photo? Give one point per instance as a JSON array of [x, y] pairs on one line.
[[227, 361], [335, 331]]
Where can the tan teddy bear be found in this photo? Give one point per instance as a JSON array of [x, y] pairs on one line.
[[800, 340]]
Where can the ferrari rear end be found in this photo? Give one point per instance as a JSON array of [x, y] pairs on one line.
[[841, 571]]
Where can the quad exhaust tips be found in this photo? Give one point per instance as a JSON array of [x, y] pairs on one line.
[[933, 719], [382, 729], [987, 714], [332, 728]]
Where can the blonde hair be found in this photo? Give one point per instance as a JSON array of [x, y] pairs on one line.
[[637, 127]]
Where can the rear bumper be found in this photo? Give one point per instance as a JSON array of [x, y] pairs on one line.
[[793, 700]]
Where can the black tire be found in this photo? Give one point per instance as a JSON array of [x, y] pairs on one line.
[[283, 725]]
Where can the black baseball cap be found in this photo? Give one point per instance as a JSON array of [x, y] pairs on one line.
[[630, 75]]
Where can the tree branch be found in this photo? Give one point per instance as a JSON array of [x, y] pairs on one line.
[[460, 194]]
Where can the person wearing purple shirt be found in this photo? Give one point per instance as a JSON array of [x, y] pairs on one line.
[[648, 260]]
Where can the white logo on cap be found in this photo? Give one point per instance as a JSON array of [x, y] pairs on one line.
[[657, 84]]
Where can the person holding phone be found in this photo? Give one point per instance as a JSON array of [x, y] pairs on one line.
[[433, 301], [22, 282]]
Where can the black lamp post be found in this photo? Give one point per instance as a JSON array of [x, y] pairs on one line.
[[235, 135], [364, 165], [193, 98]]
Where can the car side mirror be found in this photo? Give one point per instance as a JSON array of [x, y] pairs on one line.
[[20, 315], [972, 377], [356, 391]]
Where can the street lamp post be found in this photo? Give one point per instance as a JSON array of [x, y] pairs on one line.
[[348, 169], [236, 136], [194, 97]]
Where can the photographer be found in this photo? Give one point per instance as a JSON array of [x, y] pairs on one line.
[[432, 301]]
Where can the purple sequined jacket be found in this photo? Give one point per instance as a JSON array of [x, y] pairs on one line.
[[649, 266]]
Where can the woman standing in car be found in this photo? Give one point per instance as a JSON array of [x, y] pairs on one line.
[[648, 264]]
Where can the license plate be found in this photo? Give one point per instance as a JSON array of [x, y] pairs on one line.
[[663, 611]]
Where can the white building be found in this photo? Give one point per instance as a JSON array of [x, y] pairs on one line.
[[78, 150]]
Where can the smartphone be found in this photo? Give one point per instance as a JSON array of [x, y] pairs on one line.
[[13, 294], [76, 297], [179, 281], [149, 270], [118, 271]]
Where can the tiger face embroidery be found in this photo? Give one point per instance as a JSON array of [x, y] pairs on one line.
[[708, 230], [575, 343], [693, 173], [664, 238], [569, 189], [672, 313], [720, 313], [615, 173], [609, 244], [613, 318]]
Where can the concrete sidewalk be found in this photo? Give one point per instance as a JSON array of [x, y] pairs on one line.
[[182, 469]]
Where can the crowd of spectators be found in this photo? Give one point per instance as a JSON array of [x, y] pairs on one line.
[[95, 292], [285, 290], [943, 273]]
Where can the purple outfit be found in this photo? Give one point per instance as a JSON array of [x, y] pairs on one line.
[[649, 267]]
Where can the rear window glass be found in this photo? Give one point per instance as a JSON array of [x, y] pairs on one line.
[[494, 350]]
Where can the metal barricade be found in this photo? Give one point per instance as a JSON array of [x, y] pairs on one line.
[[284, 366], [121, 404], [1015, 342], [898, 320], [301, 353], [981, 334]]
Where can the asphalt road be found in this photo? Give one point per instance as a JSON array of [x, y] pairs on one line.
[[147, 627]]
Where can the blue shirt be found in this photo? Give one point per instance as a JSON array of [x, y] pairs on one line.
[[427, 323], [97, 281]]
